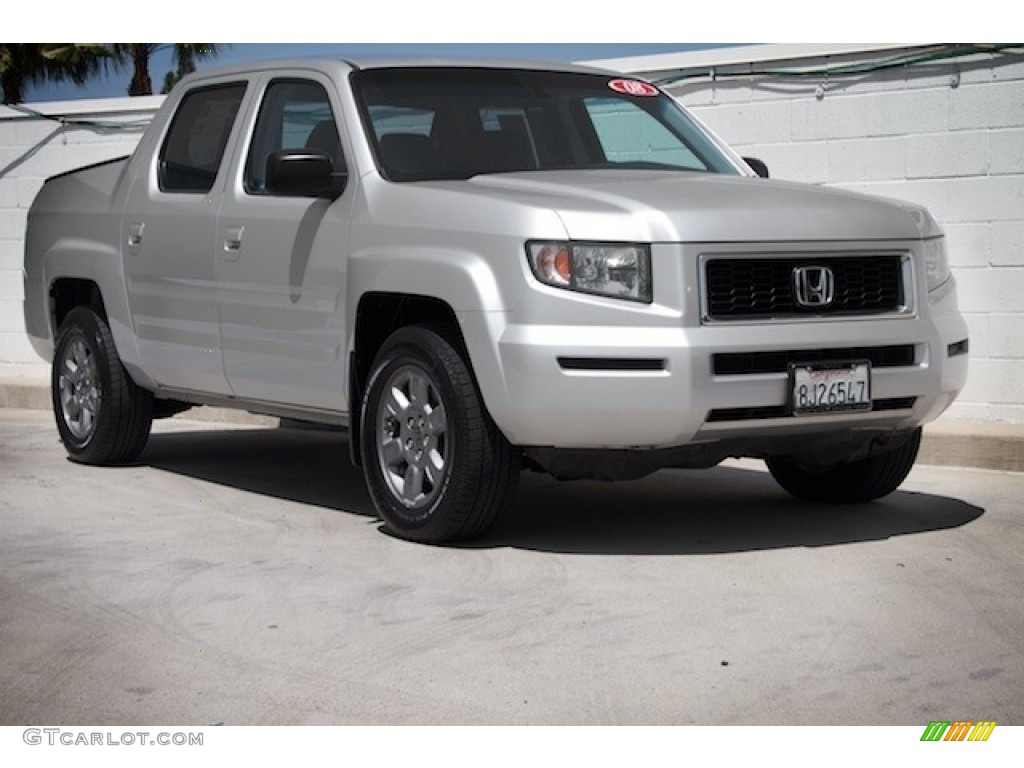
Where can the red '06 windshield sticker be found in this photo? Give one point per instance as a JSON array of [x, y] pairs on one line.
[[633, 87]]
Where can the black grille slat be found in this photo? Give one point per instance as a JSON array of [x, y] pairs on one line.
[[758, 413], [748, 414], [612, 364], [778, 361], [894, 404], [763, 287]]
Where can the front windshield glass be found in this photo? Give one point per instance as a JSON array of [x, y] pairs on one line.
[[455, 123]]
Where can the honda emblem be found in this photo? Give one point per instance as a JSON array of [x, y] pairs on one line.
[[814, 287]]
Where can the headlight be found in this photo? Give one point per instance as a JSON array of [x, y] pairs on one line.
[[605, 269], [936, 262]]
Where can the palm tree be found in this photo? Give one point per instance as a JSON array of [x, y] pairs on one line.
[[137, 55], [187, 54], [24, 63]]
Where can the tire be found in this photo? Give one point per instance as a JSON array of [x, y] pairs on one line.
[[437, 467], [103, 417], [852, 483]]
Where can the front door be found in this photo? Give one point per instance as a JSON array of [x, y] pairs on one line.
[[281, 261]]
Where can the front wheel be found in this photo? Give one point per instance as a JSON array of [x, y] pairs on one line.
[[103, 417], [437, 467], [851, 483]]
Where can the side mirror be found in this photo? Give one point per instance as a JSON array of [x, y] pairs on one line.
[[302, 173], [757, 166]]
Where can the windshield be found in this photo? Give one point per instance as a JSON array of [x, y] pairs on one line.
[[455, 123]]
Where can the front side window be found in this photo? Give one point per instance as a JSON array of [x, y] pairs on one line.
[[194, 148], [459, 122], [294, 115]]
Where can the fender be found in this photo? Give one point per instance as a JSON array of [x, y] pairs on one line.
[[99, 263], [464, 280], [86, 202]]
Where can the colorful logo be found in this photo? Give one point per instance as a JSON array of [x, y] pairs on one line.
[[958, 730], [633, 87]]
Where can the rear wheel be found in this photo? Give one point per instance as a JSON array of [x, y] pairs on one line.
[[851, 483], [102, 416], [437, 467]]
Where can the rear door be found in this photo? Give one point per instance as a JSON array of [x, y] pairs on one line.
[[169, 235]]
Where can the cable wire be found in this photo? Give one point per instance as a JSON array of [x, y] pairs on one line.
[[925, 56]]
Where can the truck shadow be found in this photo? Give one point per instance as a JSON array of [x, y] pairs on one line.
[[673, 512], [725, 509], [308, 466]]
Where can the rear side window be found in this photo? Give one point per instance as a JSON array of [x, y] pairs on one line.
[[194, 147]]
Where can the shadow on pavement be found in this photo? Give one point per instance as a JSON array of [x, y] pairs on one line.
[[695, 512], [309, 466], [673, 512]]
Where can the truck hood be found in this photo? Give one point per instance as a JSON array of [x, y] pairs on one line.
[[658, 206]]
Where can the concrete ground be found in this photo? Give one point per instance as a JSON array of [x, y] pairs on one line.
[[237, 575]]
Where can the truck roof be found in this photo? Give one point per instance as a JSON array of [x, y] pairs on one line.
[[387, 62]]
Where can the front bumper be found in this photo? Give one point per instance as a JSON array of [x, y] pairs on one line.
[[655, 387]]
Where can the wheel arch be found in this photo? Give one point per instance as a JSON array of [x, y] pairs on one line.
[[90, 276], [378, 315], [66, 293], [456, 287]]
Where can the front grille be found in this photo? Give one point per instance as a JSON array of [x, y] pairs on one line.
[[745, 288], [744, 363], [779, 411]]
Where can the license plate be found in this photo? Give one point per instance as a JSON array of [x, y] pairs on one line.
[[830, 387]]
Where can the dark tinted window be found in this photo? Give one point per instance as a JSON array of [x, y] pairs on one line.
[[295, 114], [457, 122], [194, 147]]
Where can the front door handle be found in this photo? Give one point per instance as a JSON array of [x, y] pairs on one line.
[[135, 235]]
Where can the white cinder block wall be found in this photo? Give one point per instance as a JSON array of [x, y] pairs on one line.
[[947, 134], [33, 148]]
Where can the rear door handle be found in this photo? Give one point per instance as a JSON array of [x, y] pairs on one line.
[[233, 242]]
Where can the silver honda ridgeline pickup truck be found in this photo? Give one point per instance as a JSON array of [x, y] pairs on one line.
[[481, 268]]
